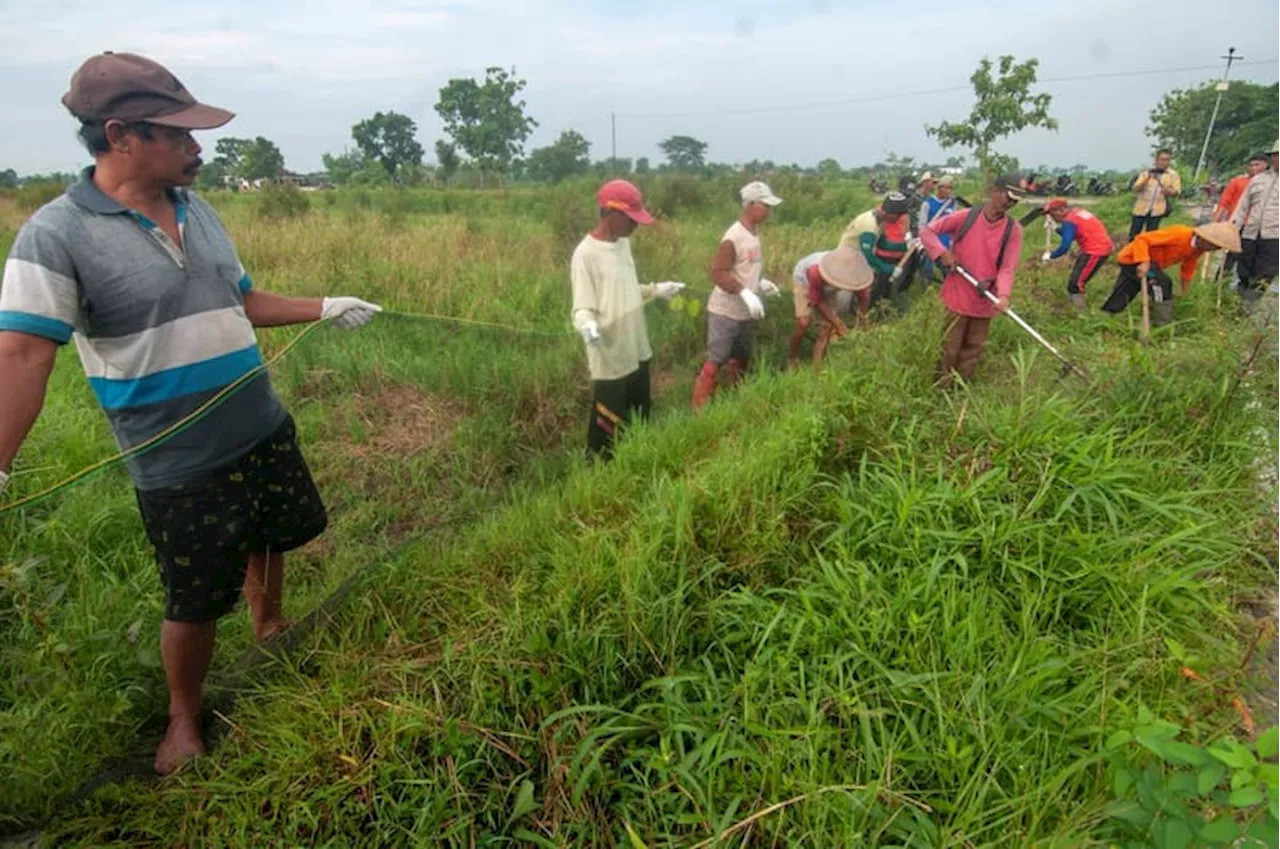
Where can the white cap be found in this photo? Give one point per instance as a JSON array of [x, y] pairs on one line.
[[928, 175], [758, 192]]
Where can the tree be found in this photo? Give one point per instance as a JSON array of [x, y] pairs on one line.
[[684, 153], [8, 179], [351, 167], [485, 120], [387, 138], [642, 165], [1005, 105], [246, 159], [566, 157], [955, 162], [829, 169], [1246, 123], [447, 160]]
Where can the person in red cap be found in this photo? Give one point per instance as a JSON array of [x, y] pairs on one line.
[[143, 274], [1083, 227], [608, 312]]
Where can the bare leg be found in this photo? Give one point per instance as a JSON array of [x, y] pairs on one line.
[[186, 649], [264, 591], [797, 339], [824, 339]]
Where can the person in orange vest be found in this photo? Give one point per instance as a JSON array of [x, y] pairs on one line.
[[1155, 250], [1083, 227], [1230, 199]]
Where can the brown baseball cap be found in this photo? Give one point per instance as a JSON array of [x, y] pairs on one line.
[[131, 88]]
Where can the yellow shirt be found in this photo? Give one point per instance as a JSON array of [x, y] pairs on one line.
[[606, 290], [1150, 199]]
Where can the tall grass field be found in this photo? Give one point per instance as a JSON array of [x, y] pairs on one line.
[[839, 608]]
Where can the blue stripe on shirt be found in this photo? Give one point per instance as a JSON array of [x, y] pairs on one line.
[[245, 283], [36, 325], [166, 385], [1068, 233]]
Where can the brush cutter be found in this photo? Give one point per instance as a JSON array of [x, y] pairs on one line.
[[1067, 365]]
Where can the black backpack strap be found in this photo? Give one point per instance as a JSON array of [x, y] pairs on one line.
[[1004, 242], [974, 212]]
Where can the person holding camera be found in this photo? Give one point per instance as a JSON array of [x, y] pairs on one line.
[[1152, 189]]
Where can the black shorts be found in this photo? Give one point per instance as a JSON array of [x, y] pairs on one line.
[[1082, 271], [614, 405], [1258, 259], [204, 530]]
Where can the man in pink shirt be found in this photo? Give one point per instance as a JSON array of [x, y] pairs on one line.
[[988, 244]]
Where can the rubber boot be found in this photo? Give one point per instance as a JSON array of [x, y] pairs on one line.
[[704, 386], [1078, 301], [733, 372], [1161, 313]]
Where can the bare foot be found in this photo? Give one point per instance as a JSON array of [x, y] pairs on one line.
[[181, 743], [266, 631]]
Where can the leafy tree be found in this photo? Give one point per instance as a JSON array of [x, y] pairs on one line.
[[1005, 105], [211, 176], [8, 179], [642, 165], [829, 169], [566, 157], [246, 159], [387, 138], [684, 153], [1246, 123], [955, 162], [485, 120], [352, 167], [447, 160]]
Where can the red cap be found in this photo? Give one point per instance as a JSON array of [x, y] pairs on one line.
[[623, 196], [1055, 203]]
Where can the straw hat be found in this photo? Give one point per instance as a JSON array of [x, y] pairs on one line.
[[1220, 233], [840, 269]]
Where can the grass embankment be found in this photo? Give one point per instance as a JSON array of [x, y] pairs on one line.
[[925, 612]]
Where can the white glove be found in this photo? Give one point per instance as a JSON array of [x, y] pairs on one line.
[[590, 332], [914, 244], [755, 306], [769, 289], [667, 289], [348, 313], [1045, 257], [4, 479]]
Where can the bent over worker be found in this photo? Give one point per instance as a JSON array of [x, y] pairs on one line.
[[883, 236], [987, 243], [1079, 226], [608, 312], [1151, 252], [141, 272], [735, 306], [817, 282]]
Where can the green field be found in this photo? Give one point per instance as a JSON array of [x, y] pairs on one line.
[[838, 608]]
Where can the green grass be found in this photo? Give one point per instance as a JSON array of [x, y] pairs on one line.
[[917, 615]]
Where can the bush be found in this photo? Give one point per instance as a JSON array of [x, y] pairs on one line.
[[282, 201]]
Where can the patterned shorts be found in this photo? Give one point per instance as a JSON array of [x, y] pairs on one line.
[[204, 530]]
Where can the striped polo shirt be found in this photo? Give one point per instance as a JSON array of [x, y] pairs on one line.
[[160, 329]]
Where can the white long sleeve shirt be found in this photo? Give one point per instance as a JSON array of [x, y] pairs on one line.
[[607, 291]]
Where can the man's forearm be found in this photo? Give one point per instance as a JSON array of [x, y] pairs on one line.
[[265, 309], [23, 378]]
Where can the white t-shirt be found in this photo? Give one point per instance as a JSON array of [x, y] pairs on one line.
[[747, 265], [606, 290]]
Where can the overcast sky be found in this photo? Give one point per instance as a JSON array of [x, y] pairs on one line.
[[301, 73]]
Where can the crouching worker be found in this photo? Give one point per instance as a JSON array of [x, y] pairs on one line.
[[1082, 227], [987, 243], [1155, 250], [817, 283], [608, 312]]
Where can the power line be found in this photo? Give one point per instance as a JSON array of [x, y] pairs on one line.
[[826, 104]]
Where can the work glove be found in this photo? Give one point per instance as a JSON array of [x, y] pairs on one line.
[[769, 289], [1046, 256], [667, 289], [755, 306], [347, 313], [914, 244], [4, 479], [590, 332]]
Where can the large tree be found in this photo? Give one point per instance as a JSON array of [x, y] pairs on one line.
[[568, 156], [1246, 123], [1005, 105], [485, 119], [244, 159], [388, 138], [447, 160], [684, 153]]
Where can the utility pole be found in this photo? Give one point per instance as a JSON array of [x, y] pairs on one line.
[[1222, 87], [613, 133]]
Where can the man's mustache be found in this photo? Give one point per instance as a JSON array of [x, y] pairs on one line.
[[193, 166]]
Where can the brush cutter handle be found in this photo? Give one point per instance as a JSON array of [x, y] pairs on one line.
[[990, 296]]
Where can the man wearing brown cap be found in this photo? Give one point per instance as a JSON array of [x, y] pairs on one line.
[[143, 275]]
